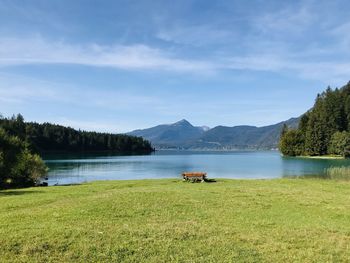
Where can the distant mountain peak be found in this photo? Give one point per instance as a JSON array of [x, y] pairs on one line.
[[183, 122]]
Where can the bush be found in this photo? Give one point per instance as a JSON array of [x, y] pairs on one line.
[[18, 166]]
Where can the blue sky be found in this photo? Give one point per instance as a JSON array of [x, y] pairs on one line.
[[120, 65]]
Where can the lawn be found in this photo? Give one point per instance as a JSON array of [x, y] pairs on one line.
[[284, 220]]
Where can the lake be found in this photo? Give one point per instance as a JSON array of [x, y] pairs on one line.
[[67, 169]]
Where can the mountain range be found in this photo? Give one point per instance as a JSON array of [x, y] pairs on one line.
[[183, 135]]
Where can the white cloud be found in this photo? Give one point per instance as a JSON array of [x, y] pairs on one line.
[[17, 92], [18, 89], [341, 39], [331, 72], [15, 51], [200, 35], [306, 63], [286, 21]]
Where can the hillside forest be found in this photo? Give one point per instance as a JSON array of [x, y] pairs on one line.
[[324, 129]]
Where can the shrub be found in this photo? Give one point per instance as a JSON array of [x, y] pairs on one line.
[[18, 166]]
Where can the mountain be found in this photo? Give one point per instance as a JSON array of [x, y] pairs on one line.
[[183, 134], [171, 135], [244, 137]]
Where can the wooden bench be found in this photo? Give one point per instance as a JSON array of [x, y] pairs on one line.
[[194, 176]]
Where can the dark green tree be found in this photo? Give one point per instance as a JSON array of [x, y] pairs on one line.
[[291, 143], [315, 137], [329, 115], [46, 137], [18, 167], [340, 144], [284, 129]]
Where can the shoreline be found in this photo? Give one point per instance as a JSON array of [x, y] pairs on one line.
[[177, 180], [324, 157]]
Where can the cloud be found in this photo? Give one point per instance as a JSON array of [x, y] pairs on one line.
[[18, 89], [15, 51], [341, 38], [200, 35], [50, 101], [332, 72], [271, 56], [286, 21]]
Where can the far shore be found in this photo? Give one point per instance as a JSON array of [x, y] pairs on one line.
[[331, 157]]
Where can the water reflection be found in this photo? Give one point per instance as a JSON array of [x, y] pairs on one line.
[[170, 164]]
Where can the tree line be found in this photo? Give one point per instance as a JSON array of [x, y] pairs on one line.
[[47, 137], [324, 129], [22, 143]]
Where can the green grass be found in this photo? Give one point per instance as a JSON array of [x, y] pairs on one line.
[[284, 220]]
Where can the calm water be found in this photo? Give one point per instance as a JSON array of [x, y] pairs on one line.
[[170, 164]]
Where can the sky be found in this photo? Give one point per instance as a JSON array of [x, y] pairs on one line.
[[116, 66]]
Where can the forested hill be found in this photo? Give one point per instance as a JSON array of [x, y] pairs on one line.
[[46, 137], [325, 129]]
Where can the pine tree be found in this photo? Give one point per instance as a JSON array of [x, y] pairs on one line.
[[329, 115]]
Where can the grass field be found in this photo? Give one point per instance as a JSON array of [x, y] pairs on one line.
[[284, 220]]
